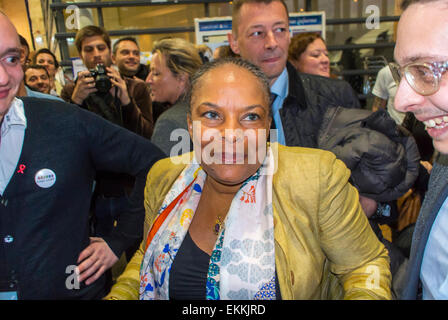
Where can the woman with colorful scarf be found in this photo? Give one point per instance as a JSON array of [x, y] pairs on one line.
[[240, 218]]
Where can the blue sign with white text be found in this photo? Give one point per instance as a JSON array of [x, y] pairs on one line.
[[305, 20], [215, 25]]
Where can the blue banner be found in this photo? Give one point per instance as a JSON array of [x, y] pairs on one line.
[[305, 20], [215, 25]]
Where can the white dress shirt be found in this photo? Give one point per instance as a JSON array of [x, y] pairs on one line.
[[434, 271], [12, 133]]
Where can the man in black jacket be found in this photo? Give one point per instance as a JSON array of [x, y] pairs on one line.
[[50, 152], [302, 102], [260, 34]]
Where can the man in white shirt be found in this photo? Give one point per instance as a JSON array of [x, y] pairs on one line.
[[421, 54], [384, 91], [50, 153]]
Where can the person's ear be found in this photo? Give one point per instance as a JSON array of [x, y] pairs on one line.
[[231, 37], [114, 61], [183, 79], [190, 125], [295, 63]]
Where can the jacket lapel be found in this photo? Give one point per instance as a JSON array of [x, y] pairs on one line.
[[296, 95], [437, 193], [22, 176]]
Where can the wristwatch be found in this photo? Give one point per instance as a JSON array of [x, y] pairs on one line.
[[382, 210]]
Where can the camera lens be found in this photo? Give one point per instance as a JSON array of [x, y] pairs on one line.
[[102, 81]]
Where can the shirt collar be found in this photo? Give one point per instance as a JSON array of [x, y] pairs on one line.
[[280, 86], [14, 117]]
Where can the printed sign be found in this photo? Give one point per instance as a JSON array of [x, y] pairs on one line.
[[213, 31]]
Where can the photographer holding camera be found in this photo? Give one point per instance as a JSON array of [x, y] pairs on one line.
[[125, 102], [98, 82]]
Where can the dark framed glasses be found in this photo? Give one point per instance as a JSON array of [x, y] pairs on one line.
[[423, 77]]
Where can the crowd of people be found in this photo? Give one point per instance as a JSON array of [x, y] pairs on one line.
[[248, 173]]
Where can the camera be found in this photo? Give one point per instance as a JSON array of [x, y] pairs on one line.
[[102, 81]]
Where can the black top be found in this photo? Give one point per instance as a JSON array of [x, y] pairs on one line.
[[188, 275]]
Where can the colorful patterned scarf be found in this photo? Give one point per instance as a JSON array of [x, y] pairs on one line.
[[242, 264]]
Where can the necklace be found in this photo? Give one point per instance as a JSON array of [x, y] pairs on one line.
[[218, 225]]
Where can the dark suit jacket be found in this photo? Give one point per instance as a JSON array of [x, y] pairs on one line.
[[309, 97], [436, 195], [49, 226]]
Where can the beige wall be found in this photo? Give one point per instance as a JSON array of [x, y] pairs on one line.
[[38, 25], [397, 13], [16, 11]]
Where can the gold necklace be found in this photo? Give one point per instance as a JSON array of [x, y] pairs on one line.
[[218, 225]]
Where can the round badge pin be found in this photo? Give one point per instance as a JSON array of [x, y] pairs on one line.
[[45, 178]]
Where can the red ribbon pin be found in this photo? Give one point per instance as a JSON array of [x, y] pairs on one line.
[[21, 168]]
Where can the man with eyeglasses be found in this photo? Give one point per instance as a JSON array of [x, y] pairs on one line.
[[421, 54], [50, 154]]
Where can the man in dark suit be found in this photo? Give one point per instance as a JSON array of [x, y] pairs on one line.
[[260, 34], [302, 105], [300, 101], [421, 53], [50, 152]]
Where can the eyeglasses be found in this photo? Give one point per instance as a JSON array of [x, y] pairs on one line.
[[424, 77]]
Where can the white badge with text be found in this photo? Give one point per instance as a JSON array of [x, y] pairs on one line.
[[45, 178]]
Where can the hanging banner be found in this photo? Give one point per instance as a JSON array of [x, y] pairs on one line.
[[307, 22], [212, 31]]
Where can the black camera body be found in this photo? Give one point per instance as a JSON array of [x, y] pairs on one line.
[[102, 81]]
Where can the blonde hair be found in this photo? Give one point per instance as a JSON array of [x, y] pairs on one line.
[[181, 56]]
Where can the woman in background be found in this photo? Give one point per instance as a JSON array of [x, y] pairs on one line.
[[308, 54], [173, 63]]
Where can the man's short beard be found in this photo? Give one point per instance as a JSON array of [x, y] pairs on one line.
[[128, 73]]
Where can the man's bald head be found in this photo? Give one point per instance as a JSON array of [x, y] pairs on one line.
[[11, 73], [8, 28], [406, 3], [4, 18]]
